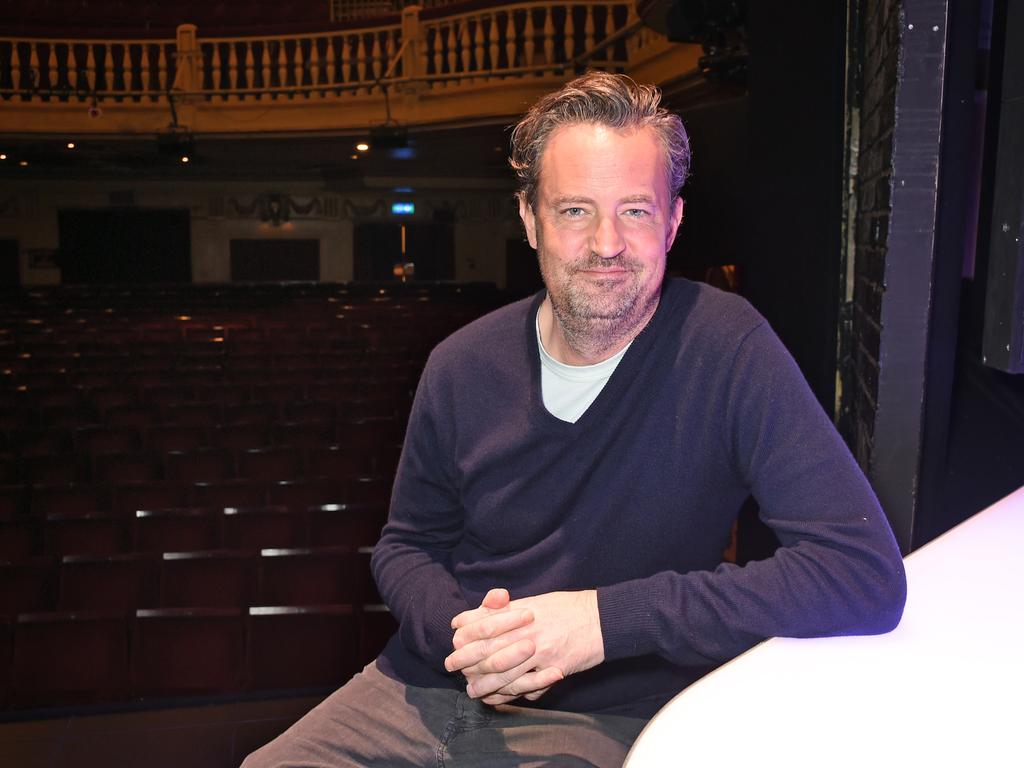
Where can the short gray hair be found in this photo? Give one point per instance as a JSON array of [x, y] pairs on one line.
[[600, 98]]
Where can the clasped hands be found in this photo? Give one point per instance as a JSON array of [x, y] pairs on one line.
[[507, 649]]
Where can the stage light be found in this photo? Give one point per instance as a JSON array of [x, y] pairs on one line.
[[71, 145], [23, 163], [3, 155], [184, 158], [362, 146]]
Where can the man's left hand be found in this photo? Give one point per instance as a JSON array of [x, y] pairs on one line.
[[501, 664]]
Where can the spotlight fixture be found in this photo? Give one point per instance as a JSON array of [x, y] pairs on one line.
[[23, 163], [3, 155], [184, 158], [389, 137], [362, 146], [176, 145]]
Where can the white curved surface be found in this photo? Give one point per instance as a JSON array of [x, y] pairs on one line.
[[945, 688]]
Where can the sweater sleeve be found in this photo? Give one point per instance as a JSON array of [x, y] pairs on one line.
[[411, 560], [838, 571]]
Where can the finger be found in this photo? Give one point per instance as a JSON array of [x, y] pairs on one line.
[[476, 614], [491, 627], [484, 685], [502, 659], [533, 685], [495, 599], [498, 698], [490, 656]]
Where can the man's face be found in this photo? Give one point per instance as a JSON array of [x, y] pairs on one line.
[[602, 224]]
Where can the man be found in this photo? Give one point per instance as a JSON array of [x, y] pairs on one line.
[[585, 452]]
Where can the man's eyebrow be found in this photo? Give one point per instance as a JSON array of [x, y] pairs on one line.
[[570, 200], [577, 199]]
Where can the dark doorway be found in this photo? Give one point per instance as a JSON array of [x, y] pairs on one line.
[[9, 272], [275, 260], [429, 246], [124, 246]]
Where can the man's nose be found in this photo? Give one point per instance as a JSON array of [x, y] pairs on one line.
[[606, 240]]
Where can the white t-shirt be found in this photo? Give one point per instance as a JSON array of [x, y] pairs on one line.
[[568, 390]]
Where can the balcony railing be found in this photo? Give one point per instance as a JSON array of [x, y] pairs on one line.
[[515, 42]]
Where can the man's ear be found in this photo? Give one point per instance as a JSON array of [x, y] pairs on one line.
[[674, 221], [529, 220]]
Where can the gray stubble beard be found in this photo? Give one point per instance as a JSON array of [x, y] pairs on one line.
[[594, 334]]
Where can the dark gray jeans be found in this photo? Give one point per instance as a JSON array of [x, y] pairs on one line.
[[375, 721]]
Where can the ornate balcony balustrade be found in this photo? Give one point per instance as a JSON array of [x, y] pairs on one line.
[[428, 68]]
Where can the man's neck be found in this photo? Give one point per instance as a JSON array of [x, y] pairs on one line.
[[584, 346]]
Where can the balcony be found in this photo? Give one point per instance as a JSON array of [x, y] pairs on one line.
[[437, 67]]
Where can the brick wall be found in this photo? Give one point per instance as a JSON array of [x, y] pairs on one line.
[[874, 61]]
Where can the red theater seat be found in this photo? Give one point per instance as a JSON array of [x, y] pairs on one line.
[[308, 576], [20, 539], [28, 586], [352, 525], [369, 490], [309, 411], [194, 414], [200, 465], [300, 647], [54, 469], [277, 463], [67, 499], [241, 436], [304, 434], [299, 495], [128, 499], [130, 415], [42, 442], [124, 468], [69, 658], [212, 578], [187, 651], [340, 463], [259, 527], [85, 534], [176, 530], [97, 440], [13, 501], [376, 626], [176, 437], [251, 413], [229, 493], [120, 583]]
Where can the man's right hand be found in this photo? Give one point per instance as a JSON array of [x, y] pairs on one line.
[[507, 658]]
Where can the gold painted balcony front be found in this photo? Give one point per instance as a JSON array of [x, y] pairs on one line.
[[429, 69]]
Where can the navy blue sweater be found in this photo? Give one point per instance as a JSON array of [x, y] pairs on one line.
[[636, 499]]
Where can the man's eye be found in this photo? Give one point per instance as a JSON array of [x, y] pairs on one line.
[[636, 213], [573, 212]]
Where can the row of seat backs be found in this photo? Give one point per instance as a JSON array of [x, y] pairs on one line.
[[181, 529], [65, 659], [204, 578], [359, 457]]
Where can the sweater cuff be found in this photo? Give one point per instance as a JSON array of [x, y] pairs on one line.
[[628, 623], [440, 633]]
